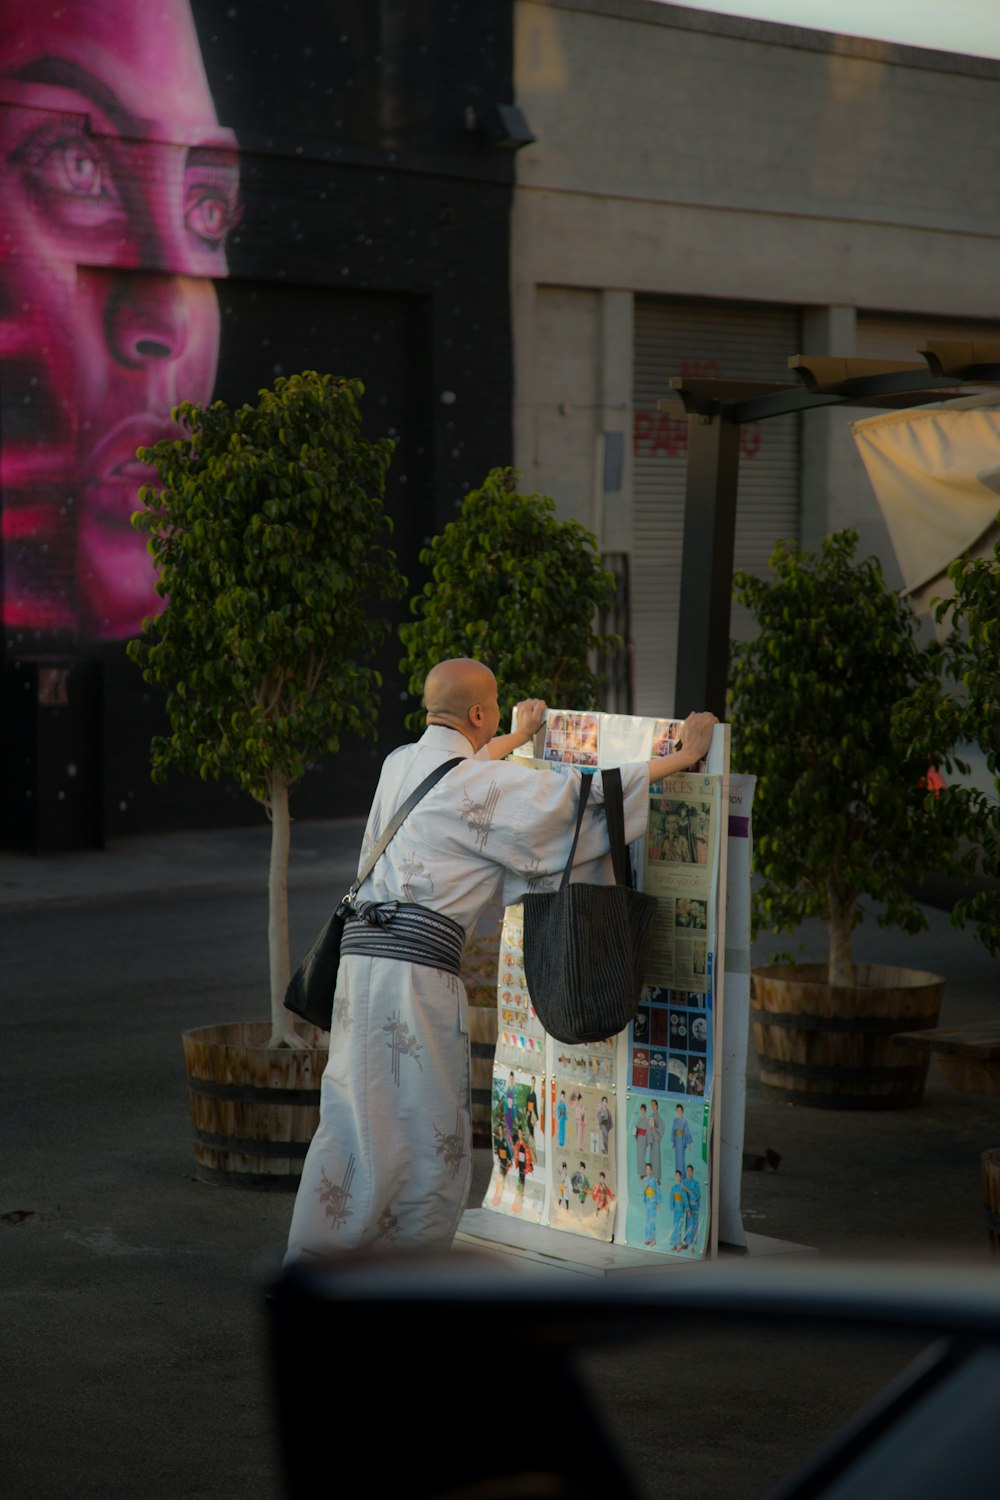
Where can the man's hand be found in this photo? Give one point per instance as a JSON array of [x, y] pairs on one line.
[[529, 716], [696, 733]]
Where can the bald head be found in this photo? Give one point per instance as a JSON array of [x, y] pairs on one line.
[[451, 688], [462, 694]]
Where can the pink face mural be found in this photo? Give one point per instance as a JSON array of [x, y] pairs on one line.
[[117, 192]]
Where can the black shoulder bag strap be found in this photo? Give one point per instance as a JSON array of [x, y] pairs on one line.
[[311, 988], [403, 812]]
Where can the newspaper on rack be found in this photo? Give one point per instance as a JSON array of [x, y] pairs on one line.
[[683, 813]]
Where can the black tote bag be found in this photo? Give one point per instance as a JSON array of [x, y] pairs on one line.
[[310, 990], [586, 946]]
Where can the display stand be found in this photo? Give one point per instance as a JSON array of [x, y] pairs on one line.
[[558, 1251], [626, 1156]]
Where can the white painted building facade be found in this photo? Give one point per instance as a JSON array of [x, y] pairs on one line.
[[709, 196]]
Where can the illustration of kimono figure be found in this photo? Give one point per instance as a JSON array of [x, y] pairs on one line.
[[657, 1130], [693, 1187], [510, 1109], [504, 1160], [652, 1195], [602, 1195], [606, 1124], [678, 1206], [563, 1186], [561, 1116], [399, 1052], [531, 1109], [682, 1139], [580, 1121], [523, 1163], [641, 1142], [580, 1183]]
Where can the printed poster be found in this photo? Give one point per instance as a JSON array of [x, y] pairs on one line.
[[585, 1187], [520, 1038], [668, 1175], [671, 1042], [517, 1183]]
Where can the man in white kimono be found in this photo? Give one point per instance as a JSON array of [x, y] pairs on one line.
[[390, 1163]]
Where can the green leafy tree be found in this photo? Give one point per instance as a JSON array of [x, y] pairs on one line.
[[842, 808], [518, 589], [969, 658], [269, 532]]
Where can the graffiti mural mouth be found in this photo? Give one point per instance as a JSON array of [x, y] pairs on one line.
[[113, 474]]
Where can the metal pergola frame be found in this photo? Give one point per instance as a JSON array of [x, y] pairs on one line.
[[715, 411]]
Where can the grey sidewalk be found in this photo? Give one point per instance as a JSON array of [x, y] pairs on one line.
[[223, 860], [789, 1203], [132, 1292]]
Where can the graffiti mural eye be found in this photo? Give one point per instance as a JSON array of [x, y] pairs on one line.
[[69, 176], [76, 170], [212, 207], [210, 218]]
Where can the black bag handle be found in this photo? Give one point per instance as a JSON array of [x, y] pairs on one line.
[[581, 807], [614, 811]]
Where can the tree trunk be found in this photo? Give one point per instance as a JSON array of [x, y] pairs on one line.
[[282, 1020], [841, 965]]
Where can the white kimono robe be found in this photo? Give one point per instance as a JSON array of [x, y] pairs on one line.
[[391, 1161]]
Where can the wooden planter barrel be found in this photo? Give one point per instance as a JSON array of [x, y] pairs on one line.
[[482, 1045], [990, 1162], [968, 1057], [254, 1108], [831, 1046]]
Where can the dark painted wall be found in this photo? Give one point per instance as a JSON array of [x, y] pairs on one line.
[[370, 238]]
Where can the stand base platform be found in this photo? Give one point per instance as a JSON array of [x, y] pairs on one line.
[[558, 1250]]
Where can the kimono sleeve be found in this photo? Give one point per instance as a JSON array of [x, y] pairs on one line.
[[540, 813]]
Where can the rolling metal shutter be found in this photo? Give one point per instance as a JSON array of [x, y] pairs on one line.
[[888, 336], [709, 339]]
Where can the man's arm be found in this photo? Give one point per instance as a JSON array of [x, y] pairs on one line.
[[693, 745], [529, 715]]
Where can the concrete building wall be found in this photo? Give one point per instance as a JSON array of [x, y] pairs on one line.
[[693, 156]]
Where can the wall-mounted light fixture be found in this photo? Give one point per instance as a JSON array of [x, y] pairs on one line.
[[503, 125]]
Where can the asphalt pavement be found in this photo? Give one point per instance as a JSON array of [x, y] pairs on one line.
[[135, 1357]]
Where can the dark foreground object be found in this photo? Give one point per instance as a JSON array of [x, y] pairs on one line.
[[931, 1432]]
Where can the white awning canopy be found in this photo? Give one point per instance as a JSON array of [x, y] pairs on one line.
[[935, 471]]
